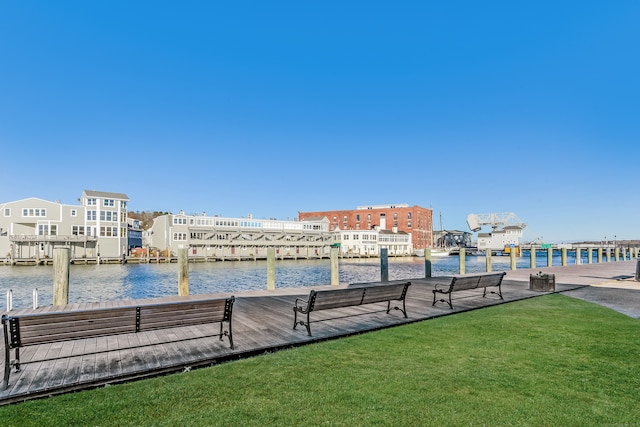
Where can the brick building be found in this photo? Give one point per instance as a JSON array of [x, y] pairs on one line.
[[416, 220]]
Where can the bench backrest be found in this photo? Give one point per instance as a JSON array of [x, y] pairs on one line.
[[491, 279], [382, 293], [335, 298], [41, 328], [184, 313], [461, 283]]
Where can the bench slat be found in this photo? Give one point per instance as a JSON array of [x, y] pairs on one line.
[[341, 298], [335, 298], [384, 293], [53, 327]]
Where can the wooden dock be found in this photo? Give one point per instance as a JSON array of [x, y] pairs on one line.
[[262, 322]]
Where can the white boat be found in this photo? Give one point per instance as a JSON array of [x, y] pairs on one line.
[[439, 252]]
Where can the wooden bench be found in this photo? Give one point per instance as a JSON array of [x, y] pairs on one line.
[[349, 297], [24, 330], [463, 283]]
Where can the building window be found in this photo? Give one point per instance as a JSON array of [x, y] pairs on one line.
[[108, 216], [179, 221], [179, 236], [74, 212], [409, 215], [7, 211], [358, 217], [31, 212], [123, 205], [91, 215], [108, 202], [409, 224], [395, 215], [108, 231], [78, 230], [91, 202], [368, 217]]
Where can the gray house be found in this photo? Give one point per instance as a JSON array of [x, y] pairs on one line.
[[31, 228]]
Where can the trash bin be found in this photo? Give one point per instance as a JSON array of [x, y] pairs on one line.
[[542, 282]]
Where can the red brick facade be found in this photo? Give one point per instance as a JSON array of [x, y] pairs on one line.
[[411, 219]]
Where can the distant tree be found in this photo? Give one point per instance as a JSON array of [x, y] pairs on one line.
[[145, 217]]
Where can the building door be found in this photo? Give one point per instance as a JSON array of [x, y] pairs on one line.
[[383, 222]]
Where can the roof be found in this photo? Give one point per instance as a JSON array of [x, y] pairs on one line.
[[314, 218], [106, 195], [392, 232]]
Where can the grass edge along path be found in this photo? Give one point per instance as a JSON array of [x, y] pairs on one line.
[[548, 361]]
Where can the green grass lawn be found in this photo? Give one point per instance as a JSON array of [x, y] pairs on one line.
[[545, 361]]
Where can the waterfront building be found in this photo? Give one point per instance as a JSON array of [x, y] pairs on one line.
[[367, 243], [500, 239], [134, 234], [239, 238], [31, 228], [414, 220]]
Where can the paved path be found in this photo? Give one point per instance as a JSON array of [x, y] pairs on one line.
[[263, 322], [610, 284]]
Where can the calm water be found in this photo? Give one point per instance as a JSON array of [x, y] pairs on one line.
[[109, 282]]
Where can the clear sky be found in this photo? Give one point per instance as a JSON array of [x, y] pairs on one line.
[[275, 107]]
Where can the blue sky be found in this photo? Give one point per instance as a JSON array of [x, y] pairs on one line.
[[276, 107]]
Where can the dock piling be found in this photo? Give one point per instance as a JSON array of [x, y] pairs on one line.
[[271, 269], [183, 271], [61, 276], [427, 262], [384, 265]]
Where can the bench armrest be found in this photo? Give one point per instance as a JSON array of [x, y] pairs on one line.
[[442, 286], [303, 301]]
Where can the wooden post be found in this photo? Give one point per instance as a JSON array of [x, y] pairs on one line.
[[599, 255], [513, 253], [488, 261], [61, 276], [271, 269], [427, 262], [563, 253], [578, 256], [532, 257], [384, 265], [462, 260], [549, 257], [183, 271], [590, 255], [335, 271]]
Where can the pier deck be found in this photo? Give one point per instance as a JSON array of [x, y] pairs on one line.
[[263, 322]]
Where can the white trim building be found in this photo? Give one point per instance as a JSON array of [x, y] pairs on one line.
[[239, 238], [367, 243]]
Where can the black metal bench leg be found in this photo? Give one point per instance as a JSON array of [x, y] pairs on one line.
[[295, 317], [230, 335], [7, 371]]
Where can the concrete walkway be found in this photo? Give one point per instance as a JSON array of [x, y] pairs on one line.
[[611, 285]]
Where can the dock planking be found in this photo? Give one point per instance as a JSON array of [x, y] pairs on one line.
[[262, 322]]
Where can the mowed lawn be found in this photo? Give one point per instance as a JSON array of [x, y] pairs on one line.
[[546, 361]]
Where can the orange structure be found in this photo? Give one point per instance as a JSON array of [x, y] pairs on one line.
[[411, 219]]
